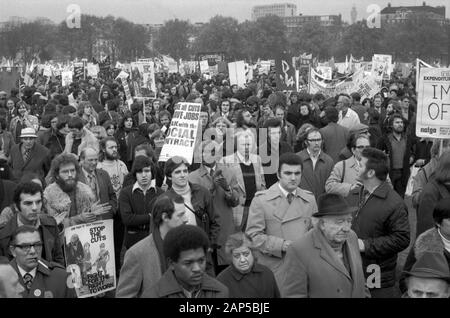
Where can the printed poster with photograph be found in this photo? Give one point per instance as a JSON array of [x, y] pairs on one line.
[[89, 251]]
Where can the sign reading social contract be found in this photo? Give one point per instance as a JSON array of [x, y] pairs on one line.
[[182, 133], [433, 103]]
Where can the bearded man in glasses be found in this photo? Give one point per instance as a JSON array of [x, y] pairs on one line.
[[39, 278]]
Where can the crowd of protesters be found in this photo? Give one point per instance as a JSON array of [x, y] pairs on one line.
[[288, 194]]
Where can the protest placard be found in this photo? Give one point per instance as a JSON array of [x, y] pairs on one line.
[[382, 66], [89, 252], [325, 71], [433, 103], [204, 67], [92, 70], [285, 78], [9, 79], [66, 77], [182, 132], [47, 70], [236, 71]]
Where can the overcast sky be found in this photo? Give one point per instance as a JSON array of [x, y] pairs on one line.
[[158, 11]]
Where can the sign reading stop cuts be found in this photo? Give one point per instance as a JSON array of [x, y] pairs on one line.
[[433, 104]]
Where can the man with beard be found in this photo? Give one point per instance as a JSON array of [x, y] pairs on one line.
[[117, 170], [401, 149], [381, 223], [98, 180], [69, 201]]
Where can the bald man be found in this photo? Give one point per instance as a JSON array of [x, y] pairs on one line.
[[99, 182]]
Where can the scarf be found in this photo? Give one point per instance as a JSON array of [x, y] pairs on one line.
[[159, 247]]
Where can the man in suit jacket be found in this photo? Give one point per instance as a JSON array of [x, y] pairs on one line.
[[222, 184], [280, 215], [98, 180], [334, 136], [29, 156], [40, 279], [326, 262], [145, 262], [28, 211]]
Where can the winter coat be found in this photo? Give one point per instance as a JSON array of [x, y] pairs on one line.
[[38, 161], [382, 224], [57, 203], [334, 139], [432, 193], [313, 270]]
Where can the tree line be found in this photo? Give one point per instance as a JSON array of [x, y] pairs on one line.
[[264, 38]]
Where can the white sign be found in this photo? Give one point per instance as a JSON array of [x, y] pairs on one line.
[[93, 70], [182, 132], [382, 66], [433, 103], [66, 77], [236, 71], [325, 71], [204, 66], [89, 252]]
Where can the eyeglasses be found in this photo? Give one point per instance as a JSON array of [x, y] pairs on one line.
[[314, 140], [27, 247], [361, 147]]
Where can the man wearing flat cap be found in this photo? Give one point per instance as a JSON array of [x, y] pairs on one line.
[[29, 156], [429, 277], [326, 262]]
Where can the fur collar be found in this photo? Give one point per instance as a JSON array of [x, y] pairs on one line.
[[428, 241]]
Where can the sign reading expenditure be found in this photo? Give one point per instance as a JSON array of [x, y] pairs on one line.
[[182, 133], [433, 104]]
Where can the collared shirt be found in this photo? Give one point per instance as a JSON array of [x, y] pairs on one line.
[[211, 168], [20, 223], [284, 192], [23, 272], [242, 159], [137, 186], [313, 158]]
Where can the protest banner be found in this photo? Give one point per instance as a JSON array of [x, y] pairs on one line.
[[67, 78], [325, 71], [382, 66], [263, 67], [93, 70], [204, 67], [366, 86], [89, 252], [433, 103], [213, 58], [236, 71], [78, 70], [182, 132], [285, 78]]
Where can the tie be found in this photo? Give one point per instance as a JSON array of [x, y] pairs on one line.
[[93, 185], [28, 280], [290, 197], [26, 155], [211, 172]]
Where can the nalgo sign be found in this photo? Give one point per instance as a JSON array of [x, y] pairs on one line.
[[433, 103]]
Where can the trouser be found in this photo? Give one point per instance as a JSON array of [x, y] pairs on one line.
[[245, 218], [119, 230], [398, 181]]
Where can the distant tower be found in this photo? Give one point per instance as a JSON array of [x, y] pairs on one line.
[[353, 14]]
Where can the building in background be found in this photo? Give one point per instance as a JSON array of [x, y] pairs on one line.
[[392, 15], [279, 9], [292, 23], [353, 15]]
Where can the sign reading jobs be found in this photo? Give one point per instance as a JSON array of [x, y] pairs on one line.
[[433, 105], [182, 133]]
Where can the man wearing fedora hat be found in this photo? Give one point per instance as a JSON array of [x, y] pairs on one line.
[[29, 156], [429, 277], [326, 262]]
